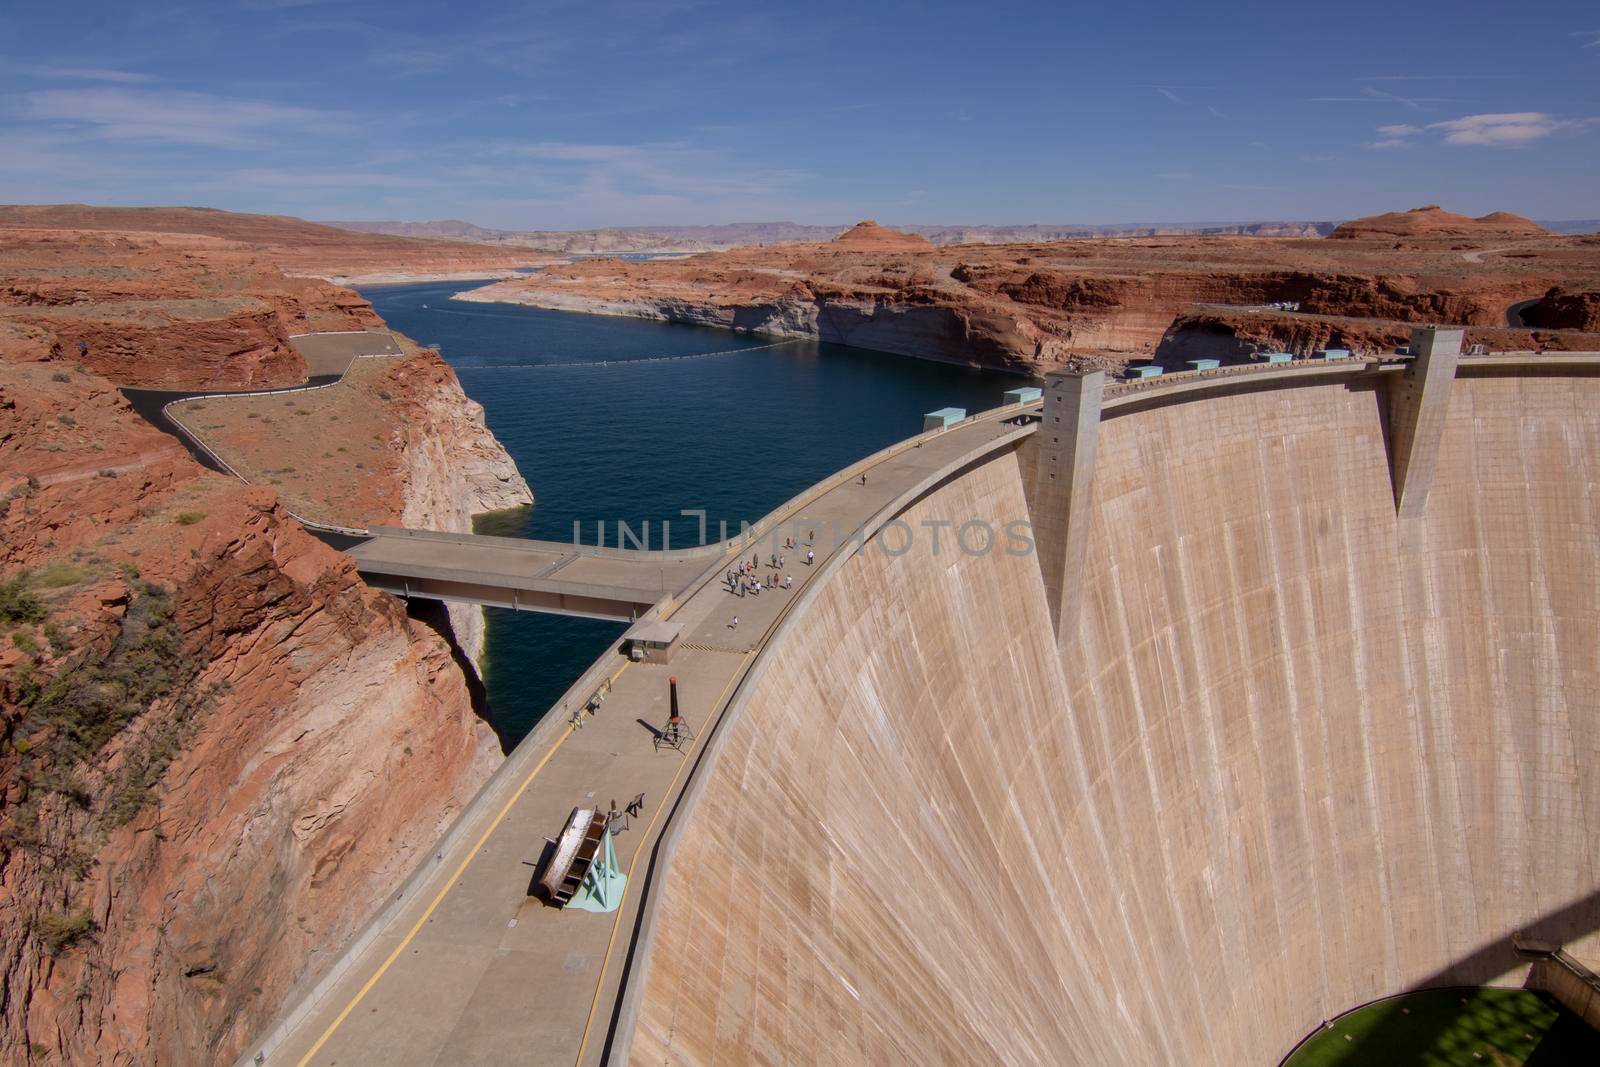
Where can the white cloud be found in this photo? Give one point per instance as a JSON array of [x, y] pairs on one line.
[[1397, 135], [1170, 95], [1370, 95], [1506, 130], [567, 152], [675, 178], [170, 117], [1510, 129], [90, 74], [273, 178]]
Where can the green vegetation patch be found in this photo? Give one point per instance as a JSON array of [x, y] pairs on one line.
[[1454, 1028], [59, 576], [17, 604], [80, 706], [60, 931]]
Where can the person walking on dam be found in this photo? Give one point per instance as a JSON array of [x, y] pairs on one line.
[[810, 555]]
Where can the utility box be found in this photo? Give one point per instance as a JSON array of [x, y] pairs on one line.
[[1144, 370], [1027, 394], [943, 418], [1278, 357], [1204, 364], [652, 640], [1336, 353]]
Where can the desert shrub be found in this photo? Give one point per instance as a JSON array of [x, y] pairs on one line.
[[188, 518], [24, 640], [90, 701], [17, 604], [59, 576], [61, 376], [384, 394], [59, 931], [94, 698], [57, 639], [66, 420]]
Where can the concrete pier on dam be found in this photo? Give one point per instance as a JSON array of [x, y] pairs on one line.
[[1294, 705]]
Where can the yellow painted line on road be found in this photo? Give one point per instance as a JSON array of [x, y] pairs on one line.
[[449, 885], [616, 923]]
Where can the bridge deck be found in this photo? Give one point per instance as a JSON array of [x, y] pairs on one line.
[[529, 575], [466, 967]]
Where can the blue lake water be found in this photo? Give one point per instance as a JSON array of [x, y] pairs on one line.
[[608, 421]]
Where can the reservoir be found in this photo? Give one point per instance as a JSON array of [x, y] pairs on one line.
[[631, 420]]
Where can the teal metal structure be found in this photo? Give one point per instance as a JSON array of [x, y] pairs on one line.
[[603, 885]]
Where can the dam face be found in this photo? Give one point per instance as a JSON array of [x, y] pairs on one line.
[[1293, 753]]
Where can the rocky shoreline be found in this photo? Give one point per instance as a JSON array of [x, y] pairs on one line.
[[1037, 307], [940, 335]]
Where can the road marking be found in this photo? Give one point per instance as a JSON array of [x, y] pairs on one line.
[[716, 710], [449, 885]]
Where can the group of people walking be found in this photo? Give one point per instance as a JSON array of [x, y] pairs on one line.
[[746, 578]]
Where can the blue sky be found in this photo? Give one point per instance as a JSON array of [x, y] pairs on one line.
[[569, 115]]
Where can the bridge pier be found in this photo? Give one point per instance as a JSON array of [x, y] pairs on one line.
[[1417, 406], [1059, 496]]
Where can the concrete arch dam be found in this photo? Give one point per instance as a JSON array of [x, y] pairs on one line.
[[1297, 707]]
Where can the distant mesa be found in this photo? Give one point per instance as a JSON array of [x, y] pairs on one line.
[[867, 235], [1434, 221]]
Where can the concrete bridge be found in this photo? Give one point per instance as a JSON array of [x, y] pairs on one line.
[[526, 575], [460, 964]]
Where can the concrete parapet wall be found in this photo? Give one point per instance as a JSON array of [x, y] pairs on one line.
[[1296, 755], [1574, 985]]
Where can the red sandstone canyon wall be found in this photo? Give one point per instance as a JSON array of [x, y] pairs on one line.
[[219, 750]]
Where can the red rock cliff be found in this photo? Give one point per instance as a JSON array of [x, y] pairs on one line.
[[219, 749]]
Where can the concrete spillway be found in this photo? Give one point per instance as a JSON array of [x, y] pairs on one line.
[[1291, 752]]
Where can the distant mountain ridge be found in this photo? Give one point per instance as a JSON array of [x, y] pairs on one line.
[[719, 237], [716, 238]]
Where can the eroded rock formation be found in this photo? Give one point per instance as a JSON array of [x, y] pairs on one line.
[[219, 749], [1033, 307], [1432, 220], [1566, 309]]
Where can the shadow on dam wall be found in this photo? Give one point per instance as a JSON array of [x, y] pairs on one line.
[[1575, 922], [1293, 753]]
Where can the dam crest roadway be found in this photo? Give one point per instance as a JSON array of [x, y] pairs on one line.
[[462, 964]]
